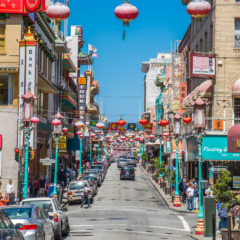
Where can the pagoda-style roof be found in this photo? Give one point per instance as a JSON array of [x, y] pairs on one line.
[[84, 59]]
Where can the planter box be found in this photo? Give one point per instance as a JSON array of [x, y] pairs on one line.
[[235, 234]]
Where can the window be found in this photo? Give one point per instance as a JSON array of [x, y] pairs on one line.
[[2, 35], [237, 33], [6, 89], [236, 110]]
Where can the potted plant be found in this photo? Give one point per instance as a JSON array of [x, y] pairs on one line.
[[223, 193]]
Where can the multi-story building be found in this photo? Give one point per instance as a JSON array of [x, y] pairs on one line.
[[216, 38]]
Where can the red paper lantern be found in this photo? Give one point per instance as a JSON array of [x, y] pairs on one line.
[[163, 123], [198, 8], [100, 125], [65, 129], [56, 122], [126, 12], [34, 120], [58, 11], [121, 123], [151, 137], [143, 121], [187, 120]]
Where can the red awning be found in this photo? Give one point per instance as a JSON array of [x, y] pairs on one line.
[[236, 87], [234, 139]]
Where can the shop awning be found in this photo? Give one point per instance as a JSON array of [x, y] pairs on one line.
[[234, 139], [204, 90], [236, 87], [46, 86]]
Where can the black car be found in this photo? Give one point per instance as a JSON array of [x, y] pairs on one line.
[[127, 172], [7, 230]]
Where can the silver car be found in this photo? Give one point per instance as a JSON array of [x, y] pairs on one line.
[[57, 215], [31, 221], [75, 191]]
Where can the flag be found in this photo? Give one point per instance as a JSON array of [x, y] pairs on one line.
[[91, 48], [94, 55], [113, 127], [131, 126]]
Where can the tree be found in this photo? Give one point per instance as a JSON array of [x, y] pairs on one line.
[[222, 190]]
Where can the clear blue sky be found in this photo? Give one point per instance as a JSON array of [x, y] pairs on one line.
[[118, 66]]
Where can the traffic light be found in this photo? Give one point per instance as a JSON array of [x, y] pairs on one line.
[[183, 156], [17, 154]]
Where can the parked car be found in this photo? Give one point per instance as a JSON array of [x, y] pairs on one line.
[[55, 213], [131, 162], [122, 162], [94, 172], [101, 168], [33, 221], [7, 230], [93, 183], [127, 172], [75, 191]]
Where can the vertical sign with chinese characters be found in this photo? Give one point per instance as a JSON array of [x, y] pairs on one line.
[[82, 90], [21, 91], [27, 79]]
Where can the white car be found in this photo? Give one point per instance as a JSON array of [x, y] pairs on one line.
[[53, 210]]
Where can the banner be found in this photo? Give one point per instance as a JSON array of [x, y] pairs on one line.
[[202, 65], [22, 6], [113, 127], [131, 126]]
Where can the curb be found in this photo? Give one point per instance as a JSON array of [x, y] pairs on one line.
[[163, 197]]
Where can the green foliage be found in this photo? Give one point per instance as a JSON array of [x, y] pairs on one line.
[[144, 156], [173, 177], [167, 173], [238, 198], [161, 168], [135, 154], [222, 190]]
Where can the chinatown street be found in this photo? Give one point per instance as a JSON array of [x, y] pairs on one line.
[[128, 210]]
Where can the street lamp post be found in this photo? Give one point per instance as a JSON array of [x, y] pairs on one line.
[[57, 129], [29, 121], [177, 132], [199, 125], [80, 125]]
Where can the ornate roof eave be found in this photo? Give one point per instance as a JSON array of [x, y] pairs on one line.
[[41, 19], [61, 46]]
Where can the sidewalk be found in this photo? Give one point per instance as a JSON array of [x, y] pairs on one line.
[[168, 200]]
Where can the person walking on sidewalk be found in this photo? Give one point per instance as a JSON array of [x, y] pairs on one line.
[[196, 197], [190, 197], [86, 192]]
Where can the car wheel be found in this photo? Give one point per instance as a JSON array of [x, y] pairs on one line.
[[67, 231], [59, 236]]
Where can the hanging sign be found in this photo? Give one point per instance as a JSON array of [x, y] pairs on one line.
[[82, 98], [22, 6]]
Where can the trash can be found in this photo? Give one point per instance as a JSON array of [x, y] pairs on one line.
[[209, 208]]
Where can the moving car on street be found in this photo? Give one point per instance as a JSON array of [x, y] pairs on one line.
[[7, 230], [32, 221], [131, 162], [94, 172], [55, 213], [75, 191], [122, 162], [127, 172]]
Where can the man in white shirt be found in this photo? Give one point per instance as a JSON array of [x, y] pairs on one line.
[[10, 187], [190, 196]]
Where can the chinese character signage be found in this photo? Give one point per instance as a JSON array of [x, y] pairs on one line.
[[82, 97], [22, 6], [203, 65]]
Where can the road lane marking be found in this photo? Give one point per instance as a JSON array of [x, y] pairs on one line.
[[185, 224], [129, 226], [130, 232]]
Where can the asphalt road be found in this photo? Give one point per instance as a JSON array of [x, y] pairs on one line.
[[128, 210]]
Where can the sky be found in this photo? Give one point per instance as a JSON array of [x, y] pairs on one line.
[[118, 66]]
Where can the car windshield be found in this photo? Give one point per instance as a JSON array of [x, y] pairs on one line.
[[46, 205], [18, 213], [123, 160], [77, 185]]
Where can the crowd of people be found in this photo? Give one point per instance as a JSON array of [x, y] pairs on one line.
[[189, 191], [9, 198]]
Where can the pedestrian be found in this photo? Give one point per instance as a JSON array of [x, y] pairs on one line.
[[236, 214], [190, 196], [4, 200], [10, 187], [223, 214], [86, 192], [194, 182], [209, 191], [36, 187], [43, 186], [196, 192], [183, 188], [12, 199]]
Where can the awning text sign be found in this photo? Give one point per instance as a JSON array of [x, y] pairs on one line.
[[215, 148]]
